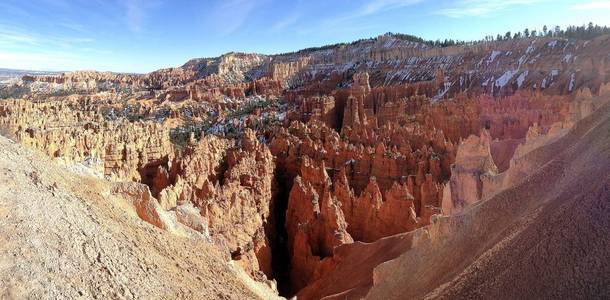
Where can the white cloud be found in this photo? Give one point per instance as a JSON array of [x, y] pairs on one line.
[[375, 6], [137, 11], [370, 7], [476, 8], [231, 15], [8, 38], [16, 37], [591, 5], [135, 14], [286, 22], [38, 60]]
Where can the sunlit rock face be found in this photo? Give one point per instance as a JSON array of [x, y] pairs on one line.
[[291, 163]]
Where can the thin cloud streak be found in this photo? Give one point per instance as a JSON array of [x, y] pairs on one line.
[[592, 5], [33, 60], [371, 7], [233, 14], [375, 6], [285, 23], [478, 8], [137, 12], [14, 37], [10, 38]]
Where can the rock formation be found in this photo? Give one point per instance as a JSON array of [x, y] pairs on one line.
[[472, 164], [290, 164]]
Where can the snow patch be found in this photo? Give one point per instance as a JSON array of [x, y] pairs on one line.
[[441, 93], [552, 44], [522, 60], [486, 82], [493, 56], [389, 43], [554, 72], [567, 58], [505, 78], [572, 81], [522, 78]]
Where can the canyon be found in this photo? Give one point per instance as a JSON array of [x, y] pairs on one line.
[[385, 168]]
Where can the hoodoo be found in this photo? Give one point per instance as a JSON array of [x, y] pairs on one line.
[[386, 168]]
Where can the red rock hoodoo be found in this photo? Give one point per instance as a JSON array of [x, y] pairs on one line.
[[297, 165]]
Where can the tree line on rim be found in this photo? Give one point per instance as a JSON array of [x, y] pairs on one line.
[[584, 32]]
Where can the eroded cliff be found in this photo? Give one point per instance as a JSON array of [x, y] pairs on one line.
[[291, 164]]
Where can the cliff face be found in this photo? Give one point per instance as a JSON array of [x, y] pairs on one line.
[[557, 66], [291, 162], [487, 247], [233, 188], [73, 129]]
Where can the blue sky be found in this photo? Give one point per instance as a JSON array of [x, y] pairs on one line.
[[145, 35]]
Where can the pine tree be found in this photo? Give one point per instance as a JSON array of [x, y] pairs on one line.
[[526, 32]]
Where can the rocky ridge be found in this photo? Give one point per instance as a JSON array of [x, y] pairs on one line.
[[85, 239], [287, 160]]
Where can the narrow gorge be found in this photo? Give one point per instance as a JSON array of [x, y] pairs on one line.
[[298, 167]]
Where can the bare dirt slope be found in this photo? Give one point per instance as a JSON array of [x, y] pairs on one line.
[[546, 238], [63, 236]]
